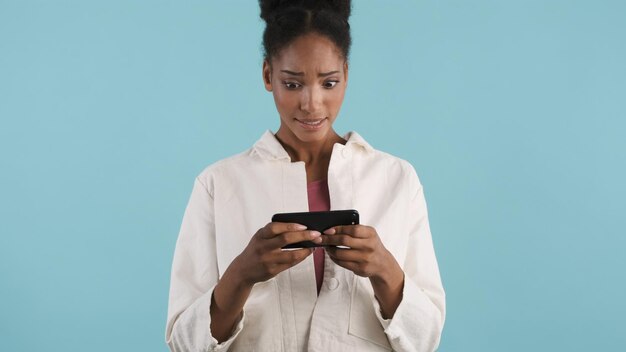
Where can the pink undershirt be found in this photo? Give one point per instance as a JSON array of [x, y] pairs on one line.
[[319, 200]]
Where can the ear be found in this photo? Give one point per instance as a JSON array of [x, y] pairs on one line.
[[345, 72], [267, 75]]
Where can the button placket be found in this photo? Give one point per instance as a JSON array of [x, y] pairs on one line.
[[332, 284]]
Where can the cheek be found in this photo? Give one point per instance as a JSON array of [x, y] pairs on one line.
[[285, 101], [335, 99]]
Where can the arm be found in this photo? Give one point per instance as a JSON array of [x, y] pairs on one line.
[[419, 318], [261, 260], [229, 297], [193, 279], [409, 298], [369, 258], [388, 288], [205, 314]]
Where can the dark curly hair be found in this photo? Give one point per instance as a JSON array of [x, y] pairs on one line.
[[286, 20]]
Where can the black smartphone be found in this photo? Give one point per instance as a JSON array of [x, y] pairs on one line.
[[319, 221]]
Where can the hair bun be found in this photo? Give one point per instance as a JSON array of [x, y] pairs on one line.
[[288, 19], [269, 8]]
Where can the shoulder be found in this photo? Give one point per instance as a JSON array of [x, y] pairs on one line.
[[227, 173], [396, 168], [399, 169], [223, 167]]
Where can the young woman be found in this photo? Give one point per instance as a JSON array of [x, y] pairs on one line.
[[233, 288]]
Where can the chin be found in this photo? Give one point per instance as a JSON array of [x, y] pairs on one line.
[[309, 136]]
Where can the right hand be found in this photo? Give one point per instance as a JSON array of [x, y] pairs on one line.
[[263, 258]]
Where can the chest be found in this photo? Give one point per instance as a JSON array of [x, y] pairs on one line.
[[246, 199]]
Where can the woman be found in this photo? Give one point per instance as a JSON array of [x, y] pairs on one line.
[[233, 288]]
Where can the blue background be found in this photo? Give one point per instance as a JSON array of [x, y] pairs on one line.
[[512, 113]]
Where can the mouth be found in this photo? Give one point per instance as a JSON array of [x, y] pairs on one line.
[[311, 124]]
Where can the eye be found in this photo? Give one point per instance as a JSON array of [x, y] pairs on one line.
[[330, 84], [291, 85]]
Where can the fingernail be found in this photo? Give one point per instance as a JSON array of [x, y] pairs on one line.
[[317, 240], [315, 234], [330, 231], [300, 227]]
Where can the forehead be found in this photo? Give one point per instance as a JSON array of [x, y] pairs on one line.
[[310, 53]]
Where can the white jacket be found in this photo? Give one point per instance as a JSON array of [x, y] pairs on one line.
[[234, 197]]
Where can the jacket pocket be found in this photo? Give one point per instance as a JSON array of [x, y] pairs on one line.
[[363, 321]]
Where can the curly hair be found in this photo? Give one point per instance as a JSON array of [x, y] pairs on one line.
[[287, 20]]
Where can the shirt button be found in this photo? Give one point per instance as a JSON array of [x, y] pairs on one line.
[[345, 152], [333, 283]]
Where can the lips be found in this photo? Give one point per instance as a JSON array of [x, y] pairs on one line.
[[311, 124]]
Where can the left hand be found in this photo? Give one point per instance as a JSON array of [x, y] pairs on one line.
[[367, 255]]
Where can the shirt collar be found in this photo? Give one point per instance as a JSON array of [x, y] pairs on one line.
[[269, 147]]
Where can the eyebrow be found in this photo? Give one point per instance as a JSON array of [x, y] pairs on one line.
[[322, 74]]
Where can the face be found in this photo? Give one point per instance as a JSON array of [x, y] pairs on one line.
[[308, 79]]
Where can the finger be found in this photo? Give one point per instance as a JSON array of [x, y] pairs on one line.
[[341, 240], [290, 237], [352, 266], [292, 257], [275, 228], [349, 255], [357, 231]]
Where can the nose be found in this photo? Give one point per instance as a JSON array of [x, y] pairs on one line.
[[311, 100]]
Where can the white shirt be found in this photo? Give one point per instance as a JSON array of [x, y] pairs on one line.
[[234, 197]]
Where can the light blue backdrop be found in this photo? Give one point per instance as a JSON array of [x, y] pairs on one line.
[[512, 113]]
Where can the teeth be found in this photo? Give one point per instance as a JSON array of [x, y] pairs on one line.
[[312, 123]]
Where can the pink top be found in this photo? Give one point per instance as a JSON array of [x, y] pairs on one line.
[[319, 200]]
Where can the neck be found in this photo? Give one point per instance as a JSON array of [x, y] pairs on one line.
[[313, 152]]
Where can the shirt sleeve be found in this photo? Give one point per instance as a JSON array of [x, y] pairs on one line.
[[193, 278], [418, 321]]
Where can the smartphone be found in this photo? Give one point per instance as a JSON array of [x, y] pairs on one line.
[[319, 221]]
